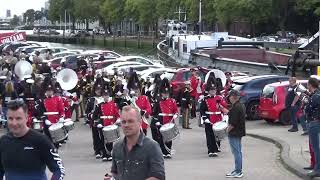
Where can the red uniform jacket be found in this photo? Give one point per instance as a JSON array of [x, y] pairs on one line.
[[109, 109], [30, 104], [193, 85], [214, 108], [54, 104], [67, 107], [168, 106], [143, 103]]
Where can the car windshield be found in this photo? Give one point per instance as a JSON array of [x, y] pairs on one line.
[[237, 87], [268, 92]]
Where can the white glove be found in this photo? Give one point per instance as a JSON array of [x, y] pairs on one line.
[[175, 116], [47, 122], [201, 97], [119, 93], [207, 121], [99, 126], [158, 124], [118, 121], [34, 120], [61, 120]]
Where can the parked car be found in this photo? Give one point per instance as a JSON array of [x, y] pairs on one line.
[[151, 73], [141, 60], [250, 90], [51, 32], [272, 102], [63, 54], [182, 75]]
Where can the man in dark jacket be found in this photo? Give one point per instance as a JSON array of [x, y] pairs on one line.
[[236, 130]]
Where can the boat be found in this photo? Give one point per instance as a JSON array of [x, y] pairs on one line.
[[232, 53]]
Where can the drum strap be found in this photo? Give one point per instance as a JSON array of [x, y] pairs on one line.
[[211, 113], [163, 114]]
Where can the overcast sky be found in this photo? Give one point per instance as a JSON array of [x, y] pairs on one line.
[[19, 6]]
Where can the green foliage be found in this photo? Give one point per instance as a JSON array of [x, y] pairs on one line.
[[15, 21]]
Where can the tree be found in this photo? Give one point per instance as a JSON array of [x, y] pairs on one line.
[[55, 10], [85, 10], [281, 11], [29, 16], [38, 15], [15, 21]]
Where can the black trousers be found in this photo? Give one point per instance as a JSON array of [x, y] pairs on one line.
[[194, 107], [156, 135], [96, 140], [212, 144], [76, 108], [105, 148]]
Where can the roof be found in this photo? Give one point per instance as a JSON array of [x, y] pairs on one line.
[[285, 83], [245, 80]]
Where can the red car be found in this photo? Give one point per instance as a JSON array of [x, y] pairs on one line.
[[182, 75], [272, 102]]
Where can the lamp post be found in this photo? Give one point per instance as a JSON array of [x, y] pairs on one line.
[[200, 16]]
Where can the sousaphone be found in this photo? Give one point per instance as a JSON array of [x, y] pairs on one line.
[[218, 74], [67, 78], [23, 69]]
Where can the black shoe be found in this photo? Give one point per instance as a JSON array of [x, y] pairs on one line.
[[308, 168], [293, 130], [313, 174], [304, 133], [187, 128]]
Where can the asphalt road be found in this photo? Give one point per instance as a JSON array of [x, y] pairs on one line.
[[190, 161]]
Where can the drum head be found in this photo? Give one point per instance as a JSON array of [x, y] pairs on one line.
[[110, 127], [167, 126], [56, 126], [68, 123], [220, 125], [68, 119]]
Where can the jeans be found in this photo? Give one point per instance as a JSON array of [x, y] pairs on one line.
[[293, 115], [314, 132], [235, 145], [303, 122]]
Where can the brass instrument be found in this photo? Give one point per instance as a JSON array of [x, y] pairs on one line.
[[302, 92], [219, 75], [67, 78], [22, 69]]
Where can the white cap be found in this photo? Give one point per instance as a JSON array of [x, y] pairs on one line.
[[3, 77], [315, 76], [30, 81]]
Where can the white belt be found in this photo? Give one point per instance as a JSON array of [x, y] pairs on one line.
[[211, 113], [50, 113], [106, 117], [163, 114], [184, 99], [29, 99]]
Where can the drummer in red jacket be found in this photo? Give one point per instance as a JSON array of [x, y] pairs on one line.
[[108, 113], [144, 105], [194, 81], [165, 111], [54, 109], [210, 113]]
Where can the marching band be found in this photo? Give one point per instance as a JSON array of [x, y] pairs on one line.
[[53, 97]]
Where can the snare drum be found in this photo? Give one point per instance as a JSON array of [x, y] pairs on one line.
[[57, 132], [111, 133], [37, 125], [220, 129], [169, 132], [68, 125]]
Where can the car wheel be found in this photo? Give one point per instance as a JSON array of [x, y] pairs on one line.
[[285, 117], [252, 110]]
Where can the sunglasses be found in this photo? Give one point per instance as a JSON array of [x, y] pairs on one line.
[[16, 103]]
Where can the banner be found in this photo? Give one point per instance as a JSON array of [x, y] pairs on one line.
[[12, 37]]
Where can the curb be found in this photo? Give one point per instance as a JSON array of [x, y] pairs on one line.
[[285, 159]]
